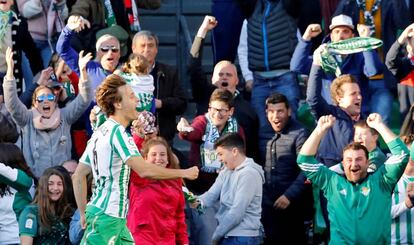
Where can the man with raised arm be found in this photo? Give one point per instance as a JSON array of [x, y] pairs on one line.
[[110, 155], [359, 203]]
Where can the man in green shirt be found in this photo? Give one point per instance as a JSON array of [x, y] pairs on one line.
[[359, 203]]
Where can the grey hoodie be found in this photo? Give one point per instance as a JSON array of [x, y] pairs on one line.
[[240, 195]]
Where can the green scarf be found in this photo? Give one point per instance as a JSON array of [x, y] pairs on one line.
[[331, 55], [5, 18], [209, 161], [109, 13]]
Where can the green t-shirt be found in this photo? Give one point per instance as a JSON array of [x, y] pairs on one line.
[[29, 225]]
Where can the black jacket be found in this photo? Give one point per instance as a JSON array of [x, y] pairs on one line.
[[283, 175], [173, 97]]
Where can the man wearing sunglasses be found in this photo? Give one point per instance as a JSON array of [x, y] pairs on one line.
[[107, 52]]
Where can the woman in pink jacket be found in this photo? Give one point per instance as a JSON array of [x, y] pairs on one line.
[[156, 210]]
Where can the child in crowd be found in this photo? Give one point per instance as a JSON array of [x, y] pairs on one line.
[[16, 191], [46, 220], [136, 73]]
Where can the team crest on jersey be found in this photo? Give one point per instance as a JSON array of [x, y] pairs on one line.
[[365, 191], [28, 224], [343, 192], [104, 130]]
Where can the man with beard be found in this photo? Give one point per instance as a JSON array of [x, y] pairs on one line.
[[359, 203]]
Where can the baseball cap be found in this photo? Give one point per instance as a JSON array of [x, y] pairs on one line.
[[341, 20]]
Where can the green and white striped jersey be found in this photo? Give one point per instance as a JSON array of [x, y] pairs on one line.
[[106, 153], [402, 227]]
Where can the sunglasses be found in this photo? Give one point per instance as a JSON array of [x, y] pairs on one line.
[[105, 49], [43, 97]]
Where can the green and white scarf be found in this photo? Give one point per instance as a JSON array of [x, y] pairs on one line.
[[5, 18], [331, 56], [369, 15], [209, 161]]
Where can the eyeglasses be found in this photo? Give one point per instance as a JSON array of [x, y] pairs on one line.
[[43, 97], [220, 111], [105, 49]]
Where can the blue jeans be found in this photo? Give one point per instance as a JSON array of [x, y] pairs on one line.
[[381, 99], [202, 226], [240, 240], [286, 84]]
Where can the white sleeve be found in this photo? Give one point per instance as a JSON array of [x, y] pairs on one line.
[[242, 52], [398, 209]]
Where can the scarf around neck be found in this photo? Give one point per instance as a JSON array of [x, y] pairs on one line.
[[42, 123], [209, 161]]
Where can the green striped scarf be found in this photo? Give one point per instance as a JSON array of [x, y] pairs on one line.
[[330, 56]]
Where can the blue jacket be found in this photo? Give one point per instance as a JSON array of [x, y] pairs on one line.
[[96, 73], [342, 132], [361, 65]]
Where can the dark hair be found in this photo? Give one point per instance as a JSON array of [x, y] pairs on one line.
[[107, 93], [222, 95], [277, 98], [172, 160], [50, 211], [336, 86], [356, 146], [68, 191], [13, 157], [230, 140], [363, 124]]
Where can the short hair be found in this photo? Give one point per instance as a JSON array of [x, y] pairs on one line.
[[226, 62], [104, 38], [222, 95], [145, 34], [40, 87], [277, 98], [136, 62], [336, 86], [356, 146], [107, 93], [231, 140], [364, 124]]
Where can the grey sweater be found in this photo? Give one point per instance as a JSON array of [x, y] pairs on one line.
[[43, 149], [240, 195]]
